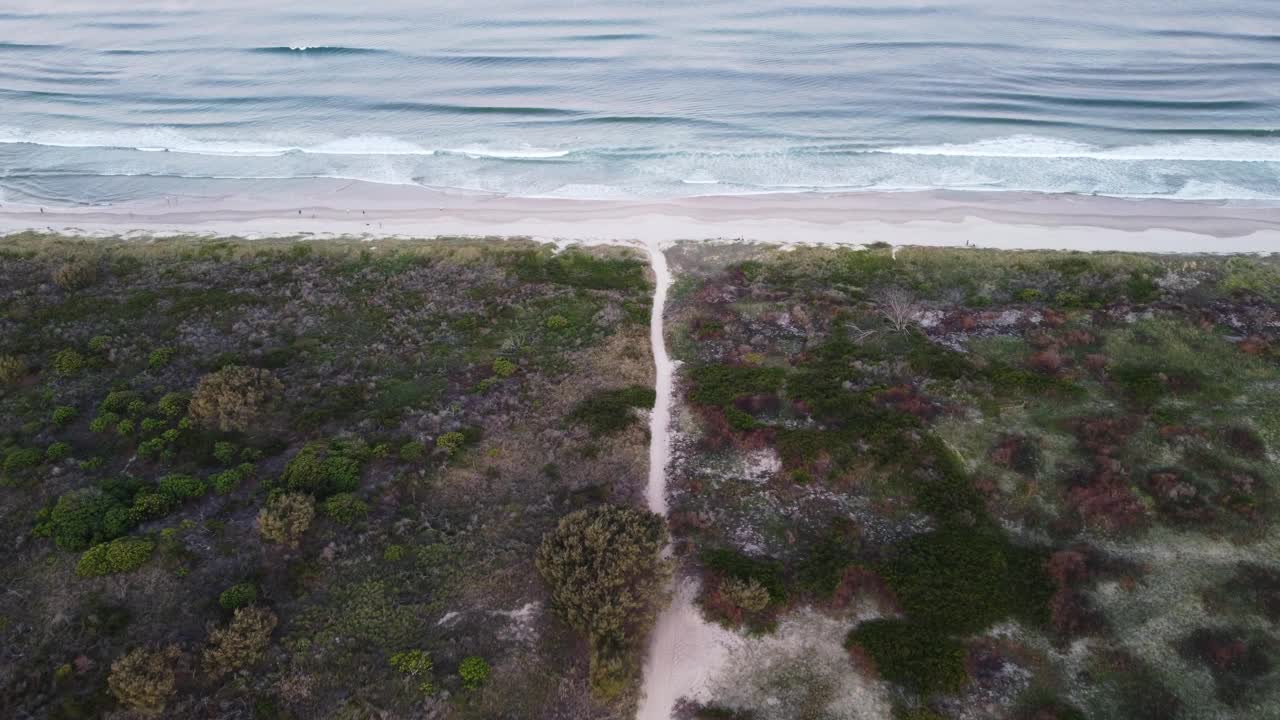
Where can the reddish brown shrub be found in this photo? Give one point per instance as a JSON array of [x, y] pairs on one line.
[[1107, 504], [1067, 568], [1077, 337], [1046, 361], [1254, 345], [1071, 615]]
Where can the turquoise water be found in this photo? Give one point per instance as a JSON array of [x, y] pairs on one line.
[[102, 101]]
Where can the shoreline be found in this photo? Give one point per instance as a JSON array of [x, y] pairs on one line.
[[1000, 220]]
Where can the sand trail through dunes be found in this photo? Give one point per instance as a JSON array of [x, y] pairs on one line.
[[685, 651]]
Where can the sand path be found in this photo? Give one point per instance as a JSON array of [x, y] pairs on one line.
[[685, 651]]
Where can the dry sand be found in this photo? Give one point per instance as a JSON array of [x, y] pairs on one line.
[[994, 220]]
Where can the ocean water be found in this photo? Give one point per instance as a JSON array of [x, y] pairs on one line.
[[104, 101]]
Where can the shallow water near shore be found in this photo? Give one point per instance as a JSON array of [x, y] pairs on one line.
[[106, 102]]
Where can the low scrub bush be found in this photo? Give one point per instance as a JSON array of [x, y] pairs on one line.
[[285, 518], [12, 369], [234, 397], [68, 362], [913, 655], [238, 596], [345, 508], [324, 468], [606, 577], [765, 572], [474, 672], [417, 666], [121, 555], [75, 274], [720, 384], [609, 411], [241, 643], [144, 680]]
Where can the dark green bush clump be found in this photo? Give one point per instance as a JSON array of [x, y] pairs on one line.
[[322, 469], [913, 655], [961, 580], [609, 411], [345, 508], [238, 595], [580, 269], [721, 384], [766, 571]]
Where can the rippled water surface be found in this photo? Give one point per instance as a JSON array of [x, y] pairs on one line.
[[109, 100]]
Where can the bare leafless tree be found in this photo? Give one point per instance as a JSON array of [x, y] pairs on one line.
[[898, 307]]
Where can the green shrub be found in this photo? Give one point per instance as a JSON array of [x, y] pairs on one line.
[[241, 643], [234, 397], [181, 487], [99, 343], [577, 268], [224, 452], [721, 384], [238, 596], [68, 362], [285, 518], [417, 665], [125, 427], [160, 357], [321, 469], [12, 370], [748, 594], [609, 411], [412, 452], [57, 451], [765, 572], [148, 449], [474, 672], [606, 578], [145, 679], [960, 580], [345, 508], [557, 322], [225, 481], [117, 401], [20, 459], [99, 424], [63, 415], [76, 520], [136, 407], [451, 442], [172, 404], [118, 556], [393, 553], [151, 425], [151, 504], [912, 655], [503, 368]]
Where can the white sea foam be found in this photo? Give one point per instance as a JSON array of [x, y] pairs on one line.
[[1035, 146], [522, 153]]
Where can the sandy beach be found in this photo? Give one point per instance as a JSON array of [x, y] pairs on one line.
[[1004, 220]]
